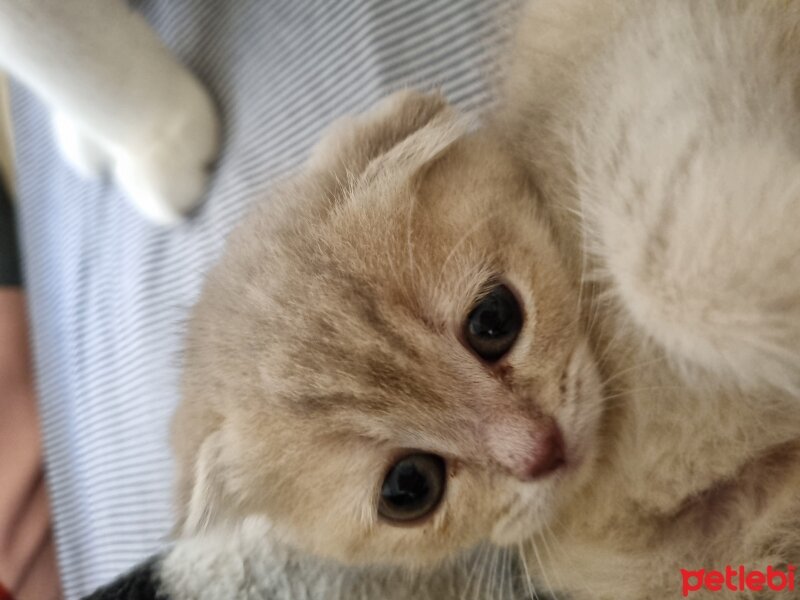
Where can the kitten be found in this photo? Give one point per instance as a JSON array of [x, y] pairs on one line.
[[121, 102], [293, 406], [572, 332]]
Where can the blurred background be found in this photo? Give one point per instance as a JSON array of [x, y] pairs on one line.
[[6, 148], [27, 554]]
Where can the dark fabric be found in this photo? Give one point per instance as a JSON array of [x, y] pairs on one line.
[[142, 583], [10, 273]]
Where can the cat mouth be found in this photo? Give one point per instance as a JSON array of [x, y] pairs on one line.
[[563, 464], [531, 508], [534, 499]]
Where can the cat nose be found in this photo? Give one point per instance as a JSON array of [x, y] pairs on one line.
[[548, 454], [527, 449]]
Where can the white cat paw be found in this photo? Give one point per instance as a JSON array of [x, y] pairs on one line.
[[165, 187], [166, 174], [81, 151], [163, 167]]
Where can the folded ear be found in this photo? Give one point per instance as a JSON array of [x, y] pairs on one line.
[[352, 142]]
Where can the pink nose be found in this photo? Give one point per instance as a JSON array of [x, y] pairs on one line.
[[527, 449], [548, 455]]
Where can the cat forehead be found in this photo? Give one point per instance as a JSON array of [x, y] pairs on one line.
[[399, 257], [455, 207], [401, 234]]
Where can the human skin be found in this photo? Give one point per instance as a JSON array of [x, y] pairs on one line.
[[27, 557]]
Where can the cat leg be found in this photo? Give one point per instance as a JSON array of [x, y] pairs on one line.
[[704, 254], [688, 169], [124, 104]]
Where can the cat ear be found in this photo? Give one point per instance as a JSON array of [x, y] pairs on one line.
[[352, 143], [203, 490]]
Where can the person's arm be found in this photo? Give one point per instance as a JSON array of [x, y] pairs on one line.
[[27, 559]]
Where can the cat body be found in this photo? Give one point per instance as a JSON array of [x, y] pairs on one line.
[[121, 102], [664, 139], [631, 205]]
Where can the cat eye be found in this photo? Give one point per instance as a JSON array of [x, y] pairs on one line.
[[494, 324], [413, 488]]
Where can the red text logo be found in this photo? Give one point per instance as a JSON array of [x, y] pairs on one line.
[[739, 580]]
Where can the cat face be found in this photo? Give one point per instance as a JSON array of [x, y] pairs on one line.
[[388, 361]]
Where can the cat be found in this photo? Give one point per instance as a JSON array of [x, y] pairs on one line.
[[408, 131], [121, 103], [570, 332]]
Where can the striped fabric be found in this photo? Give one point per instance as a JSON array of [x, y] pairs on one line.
[[109, 292]]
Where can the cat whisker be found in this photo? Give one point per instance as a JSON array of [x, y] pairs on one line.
[[476, 590], [623, 398], [513, 579], [528, 581], [568, 557], [608, 348], [542, 570], [491, 581], [502, 574], [563, 554], [546, 547], [649, 388], [501, 583], [594, 309], [472, 566], [509, 577], [647, 363]]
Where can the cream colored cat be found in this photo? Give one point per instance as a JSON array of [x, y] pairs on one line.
[[573, 332]]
